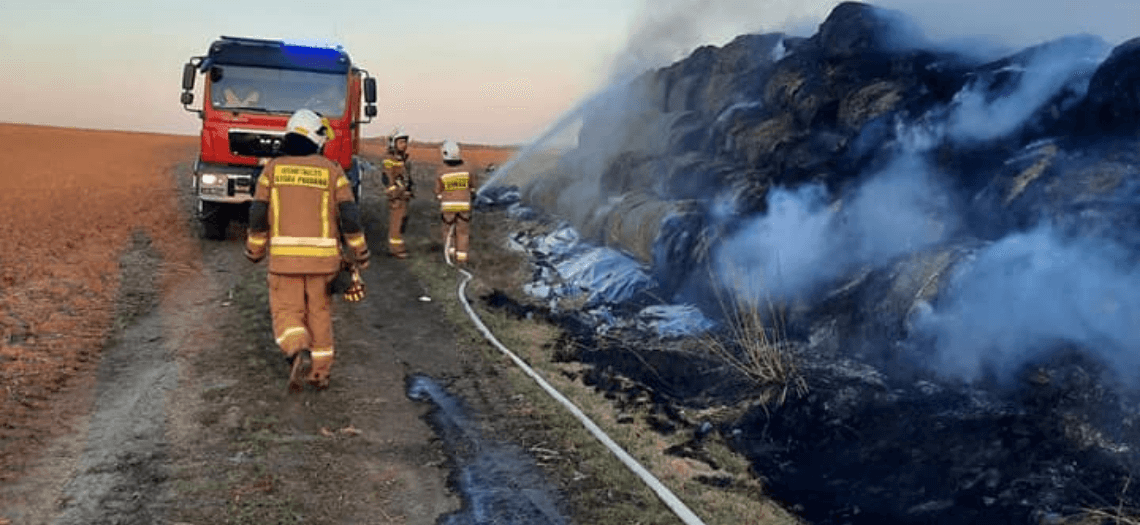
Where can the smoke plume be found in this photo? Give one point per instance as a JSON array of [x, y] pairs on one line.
[[1021, 295], [1067, 62], [1030, 292], [1019, 23], [803, 242], [666, 31]]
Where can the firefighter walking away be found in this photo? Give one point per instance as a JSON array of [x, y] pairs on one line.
[[302, 206], [396, 175], [454, 188]]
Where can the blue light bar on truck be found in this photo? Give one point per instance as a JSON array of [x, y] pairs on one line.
[[276, 54]]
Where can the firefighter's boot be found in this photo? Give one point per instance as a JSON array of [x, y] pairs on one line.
[[321, 367], [301, 366]]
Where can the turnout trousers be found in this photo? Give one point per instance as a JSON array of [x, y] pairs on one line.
[[397, 224], [302, 318], [456, 228]]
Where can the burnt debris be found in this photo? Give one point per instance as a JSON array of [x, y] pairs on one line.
[[951, 240]]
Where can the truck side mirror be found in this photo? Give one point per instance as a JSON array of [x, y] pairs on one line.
[[370, 111], [370, 90], [187, 98], [188, 74]]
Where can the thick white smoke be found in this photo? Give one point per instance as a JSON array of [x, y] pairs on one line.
[[1020, 23], [803, 242], [782, 252], [979, 117], [1020, 295], [1030, 292], [1023, 294], [667, 31]]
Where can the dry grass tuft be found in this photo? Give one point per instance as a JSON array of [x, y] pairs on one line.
[[1108, 517], [756, 346], [1119, 515]]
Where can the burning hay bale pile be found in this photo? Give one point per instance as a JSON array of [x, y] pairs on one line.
[[948, 240]]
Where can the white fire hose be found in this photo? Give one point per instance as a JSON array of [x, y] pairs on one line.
[[671, 500]]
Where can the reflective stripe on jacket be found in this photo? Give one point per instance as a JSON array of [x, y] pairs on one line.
[[454, 191], [304, 233], [395, 174]]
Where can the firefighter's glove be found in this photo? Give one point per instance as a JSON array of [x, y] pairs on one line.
[[254, 257], [355, 291], [255, 244]]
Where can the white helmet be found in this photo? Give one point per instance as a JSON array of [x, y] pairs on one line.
[[310, 125], [398, 132], [450, 151]]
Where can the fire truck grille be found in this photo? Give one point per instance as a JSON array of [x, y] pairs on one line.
[[255, 144], [238, 185]]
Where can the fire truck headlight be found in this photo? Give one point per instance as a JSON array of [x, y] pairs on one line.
[[210, 179]]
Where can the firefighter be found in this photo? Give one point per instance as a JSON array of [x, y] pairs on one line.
[[397, 178], [302, 206], [454, 188]]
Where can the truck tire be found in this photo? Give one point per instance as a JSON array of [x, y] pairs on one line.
[[353, 174], [215, 220]]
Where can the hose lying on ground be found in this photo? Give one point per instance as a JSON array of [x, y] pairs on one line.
[[667, 497]]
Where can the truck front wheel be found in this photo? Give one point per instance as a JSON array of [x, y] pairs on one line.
[[353, 175], [214, 218]]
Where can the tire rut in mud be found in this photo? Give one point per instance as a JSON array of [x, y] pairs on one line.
[[358, 452], [122, 473], [191, 421]]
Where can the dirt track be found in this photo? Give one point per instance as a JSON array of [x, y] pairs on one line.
[[150, 390]]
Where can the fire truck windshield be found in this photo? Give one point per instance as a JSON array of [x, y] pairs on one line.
[[277, 90]]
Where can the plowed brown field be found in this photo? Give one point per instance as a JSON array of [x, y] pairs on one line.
[[70, 200], [141, 383]]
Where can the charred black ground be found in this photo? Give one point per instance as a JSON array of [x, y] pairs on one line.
[[976, 369]]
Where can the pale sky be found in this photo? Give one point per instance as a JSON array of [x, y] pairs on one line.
[[496, 72]]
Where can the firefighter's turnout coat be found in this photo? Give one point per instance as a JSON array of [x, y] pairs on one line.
[[397, 178], [301, 208], [454, 190]]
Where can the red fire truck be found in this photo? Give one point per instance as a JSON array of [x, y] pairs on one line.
[[251, 88]]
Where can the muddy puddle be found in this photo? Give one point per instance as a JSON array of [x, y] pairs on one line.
[[498, 482]]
